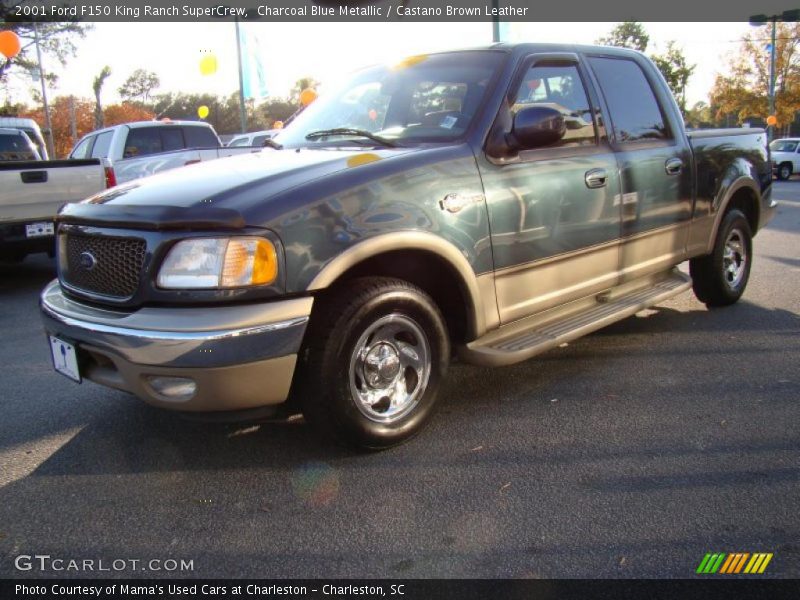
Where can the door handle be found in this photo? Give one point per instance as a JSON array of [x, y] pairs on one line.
[[673, 166], [596, 178], [33, 176]]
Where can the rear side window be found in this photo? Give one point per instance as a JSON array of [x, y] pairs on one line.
[[83, 147], [16, 147], [101, 145], [634, 110], [200, 137], [242, 141], [259, 140]]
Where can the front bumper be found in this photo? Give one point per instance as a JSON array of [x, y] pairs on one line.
[[239, 357]]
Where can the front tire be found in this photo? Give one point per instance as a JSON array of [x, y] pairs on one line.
[[376, 352], [720, 278]]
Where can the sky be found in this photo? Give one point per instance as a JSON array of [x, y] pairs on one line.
[[327, 51]]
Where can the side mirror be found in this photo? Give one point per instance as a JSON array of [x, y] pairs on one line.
[[536, 126]]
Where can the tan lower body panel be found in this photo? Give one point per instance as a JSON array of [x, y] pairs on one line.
[[536, 287], [653, 251], [238, 387]]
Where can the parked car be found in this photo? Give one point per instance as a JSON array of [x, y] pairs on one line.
[[254, 139], [143, 148], [494, 202], [785, 157], [16, 145], [31, 129]]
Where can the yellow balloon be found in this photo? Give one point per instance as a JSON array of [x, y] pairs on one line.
[[202, 112], [277, 125], [208, 64]]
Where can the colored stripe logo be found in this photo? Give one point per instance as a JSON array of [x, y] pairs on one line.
[[734, 563]]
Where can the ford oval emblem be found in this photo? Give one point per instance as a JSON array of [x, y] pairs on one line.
[[87, 261]]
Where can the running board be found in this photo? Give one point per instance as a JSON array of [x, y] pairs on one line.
[[533, 335]]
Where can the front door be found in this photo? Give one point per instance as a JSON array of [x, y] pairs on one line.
[[555, 211]]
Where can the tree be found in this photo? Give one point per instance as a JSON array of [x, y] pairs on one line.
[[139, 86], [61, 121], [56, 40], [126, 112], [744, 90], [676, 71], [699, 116], [672, 64], [630, 34], [97, 86]]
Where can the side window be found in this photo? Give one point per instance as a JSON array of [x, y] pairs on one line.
[[142, 141], [559, 87], [200, 137], [172, 139], [634, 110], [101, 145], [242, 141], [258, 141], [83, 147]]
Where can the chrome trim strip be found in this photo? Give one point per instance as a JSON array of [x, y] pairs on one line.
[[172, 335]]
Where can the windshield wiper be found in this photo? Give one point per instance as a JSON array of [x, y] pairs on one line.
[[352, 132]]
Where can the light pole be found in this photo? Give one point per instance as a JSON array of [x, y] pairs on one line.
[[758, 21]]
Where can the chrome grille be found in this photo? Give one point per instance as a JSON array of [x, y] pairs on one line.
[[108, 266]]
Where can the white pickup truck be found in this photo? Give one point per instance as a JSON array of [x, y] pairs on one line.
[[32, 192], [143, 148]]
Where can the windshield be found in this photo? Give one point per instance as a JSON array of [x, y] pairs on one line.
[[421, 99], [783, 146]]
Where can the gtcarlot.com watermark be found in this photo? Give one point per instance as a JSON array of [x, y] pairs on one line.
[[57, 564]]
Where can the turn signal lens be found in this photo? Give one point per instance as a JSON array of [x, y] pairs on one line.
[[249, 262]]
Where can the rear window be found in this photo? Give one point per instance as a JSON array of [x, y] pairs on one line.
[[152, 140], [200, 137], [101, 145], [15, 147]]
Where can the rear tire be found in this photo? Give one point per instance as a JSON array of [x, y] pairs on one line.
[[784, 171], [376, 352], [720, 278]]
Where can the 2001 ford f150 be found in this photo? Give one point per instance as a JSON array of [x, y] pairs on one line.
[[496, 202]]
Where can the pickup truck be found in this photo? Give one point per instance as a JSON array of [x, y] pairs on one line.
[[785, 157], [142, 148], [491, 203], [31, 193]]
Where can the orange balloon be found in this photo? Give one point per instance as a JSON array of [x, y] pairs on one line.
[[9, 44], [307, 96], [772, 120]]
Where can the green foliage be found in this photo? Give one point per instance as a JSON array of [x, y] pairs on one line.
[[139, 86], [56, 40], [676, 71], [630, 34]]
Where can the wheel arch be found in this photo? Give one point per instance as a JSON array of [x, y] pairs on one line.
[[744, 195], [467, 300]]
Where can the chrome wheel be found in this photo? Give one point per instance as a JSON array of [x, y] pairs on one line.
[[734, 258], [389, 368]]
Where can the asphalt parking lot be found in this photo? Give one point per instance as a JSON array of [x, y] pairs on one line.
[[630, 453]]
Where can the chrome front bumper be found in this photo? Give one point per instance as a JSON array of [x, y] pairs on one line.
[[239, 357]]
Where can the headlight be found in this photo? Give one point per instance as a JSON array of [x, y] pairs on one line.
[[219, 263]]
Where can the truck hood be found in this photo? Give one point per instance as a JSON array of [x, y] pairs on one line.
[[259, 176]]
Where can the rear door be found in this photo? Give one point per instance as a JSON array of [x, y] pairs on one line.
[[655, 164], [553, 211]]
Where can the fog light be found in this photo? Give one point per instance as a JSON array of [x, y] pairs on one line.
[[177, 389]]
